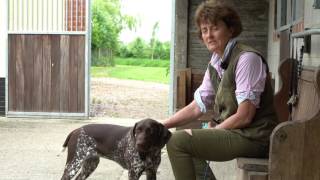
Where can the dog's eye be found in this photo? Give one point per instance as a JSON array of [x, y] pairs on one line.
[[138, 130], [147, 131]]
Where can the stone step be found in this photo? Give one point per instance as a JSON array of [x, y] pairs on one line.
[[2, 110], [258, 176], [252, 169], [253, 164]]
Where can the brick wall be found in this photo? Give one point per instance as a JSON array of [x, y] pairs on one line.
[[76, 15]]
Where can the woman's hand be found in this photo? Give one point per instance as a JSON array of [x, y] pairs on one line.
[[185, 115]]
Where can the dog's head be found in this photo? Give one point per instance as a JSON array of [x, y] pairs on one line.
[[150, 135]]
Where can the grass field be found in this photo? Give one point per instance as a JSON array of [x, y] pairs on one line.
[[150, 74]]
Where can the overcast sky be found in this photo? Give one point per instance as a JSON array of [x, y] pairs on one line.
[[149, 12]]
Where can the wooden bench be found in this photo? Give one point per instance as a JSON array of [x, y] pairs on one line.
[[295, 145]]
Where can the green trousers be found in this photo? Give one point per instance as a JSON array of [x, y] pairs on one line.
[[188, 153]]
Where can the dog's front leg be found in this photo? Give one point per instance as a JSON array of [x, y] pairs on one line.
[[151, 174], [134, 173]]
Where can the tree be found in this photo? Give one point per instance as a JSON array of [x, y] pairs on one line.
[[107, 23], [166, 52], [104, 27], [137, 48], [124, 51], [161, 50]]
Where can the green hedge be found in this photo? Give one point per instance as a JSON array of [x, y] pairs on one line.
[[142, 62]]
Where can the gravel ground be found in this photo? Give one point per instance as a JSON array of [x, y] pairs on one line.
[[128, 99]]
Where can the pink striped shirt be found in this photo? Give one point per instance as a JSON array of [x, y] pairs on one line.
[[250, 80]]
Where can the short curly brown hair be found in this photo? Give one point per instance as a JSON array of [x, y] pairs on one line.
[[214, 11]]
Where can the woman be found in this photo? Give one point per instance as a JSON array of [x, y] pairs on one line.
[[237, 85]]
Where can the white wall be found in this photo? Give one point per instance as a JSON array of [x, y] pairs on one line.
[[35, 15], [3, 37], [273, 47]]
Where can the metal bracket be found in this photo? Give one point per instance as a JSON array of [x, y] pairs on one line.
[[307, 44], [293, 100], [316, 4], [306, 35]]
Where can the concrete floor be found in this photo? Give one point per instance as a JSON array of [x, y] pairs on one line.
[[29, 149]]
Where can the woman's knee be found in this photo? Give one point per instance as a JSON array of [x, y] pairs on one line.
[[178, 141]]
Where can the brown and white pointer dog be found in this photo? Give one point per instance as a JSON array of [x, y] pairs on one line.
[[135, 148]]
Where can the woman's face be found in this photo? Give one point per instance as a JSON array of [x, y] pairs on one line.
[[216, 36]]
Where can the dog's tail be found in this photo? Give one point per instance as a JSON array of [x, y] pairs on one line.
[[65, 144]]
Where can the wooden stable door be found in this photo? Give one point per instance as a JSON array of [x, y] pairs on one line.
[[46, 73]]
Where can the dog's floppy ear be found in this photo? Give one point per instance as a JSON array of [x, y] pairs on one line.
[[133, 131], [164, 134]]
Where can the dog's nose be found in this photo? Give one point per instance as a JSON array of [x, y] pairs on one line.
[[142, 147]]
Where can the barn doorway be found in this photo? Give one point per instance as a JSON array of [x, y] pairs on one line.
[[122, 94]]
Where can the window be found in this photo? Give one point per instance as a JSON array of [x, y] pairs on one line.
[[298, 9], [287, 12], [283, 12]]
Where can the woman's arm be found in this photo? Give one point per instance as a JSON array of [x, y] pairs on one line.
[[185, 115], [242, 118], [203, 97]]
